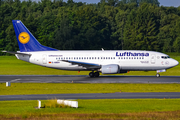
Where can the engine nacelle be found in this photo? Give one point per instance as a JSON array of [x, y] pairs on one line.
[[110, 69]]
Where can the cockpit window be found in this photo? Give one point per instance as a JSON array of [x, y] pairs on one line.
[[165, 57]]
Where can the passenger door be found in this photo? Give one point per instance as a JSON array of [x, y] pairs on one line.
[[44, 59], [153, 59]]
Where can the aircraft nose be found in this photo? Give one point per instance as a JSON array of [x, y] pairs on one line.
[[175, 62]]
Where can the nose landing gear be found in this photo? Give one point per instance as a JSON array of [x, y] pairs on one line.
[[157, 75], [158, 71], [94, 74]]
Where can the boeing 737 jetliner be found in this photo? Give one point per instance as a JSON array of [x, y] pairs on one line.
[[104, 61]]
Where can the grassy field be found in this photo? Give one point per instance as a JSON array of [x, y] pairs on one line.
[[95, 109], [140, 109], [61, 88], [9, 65]]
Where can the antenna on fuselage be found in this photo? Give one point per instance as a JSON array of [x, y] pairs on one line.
[[102, 49]]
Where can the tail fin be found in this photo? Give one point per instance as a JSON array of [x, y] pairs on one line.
[[26, 41]]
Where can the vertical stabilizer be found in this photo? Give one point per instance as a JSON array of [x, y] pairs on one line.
[[26, 41]]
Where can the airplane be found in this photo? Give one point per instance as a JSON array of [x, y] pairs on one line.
[[96, 61]]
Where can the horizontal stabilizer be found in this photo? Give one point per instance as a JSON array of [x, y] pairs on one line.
[[16, 53]]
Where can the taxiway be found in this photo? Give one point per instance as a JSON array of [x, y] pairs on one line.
[[159, 95]]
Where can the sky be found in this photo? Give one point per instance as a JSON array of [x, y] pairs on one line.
[[168, 3]]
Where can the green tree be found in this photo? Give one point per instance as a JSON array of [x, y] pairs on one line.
[[121, 18], [142, 28]]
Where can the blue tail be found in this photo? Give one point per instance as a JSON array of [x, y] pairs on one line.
[[26, 41]]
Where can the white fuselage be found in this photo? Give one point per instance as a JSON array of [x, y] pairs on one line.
[[130, 60]]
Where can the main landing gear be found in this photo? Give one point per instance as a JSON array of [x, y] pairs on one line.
[[94, 74]]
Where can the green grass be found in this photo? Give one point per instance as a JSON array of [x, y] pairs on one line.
[[61, 88], [88, 109], [108, 107], [10, 65]]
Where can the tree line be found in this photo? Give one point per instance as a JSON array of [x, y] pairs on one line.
[[109, 24]]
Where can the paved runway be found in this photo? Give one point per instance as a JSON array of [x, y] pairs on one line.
[[160, 95], [87, 79]]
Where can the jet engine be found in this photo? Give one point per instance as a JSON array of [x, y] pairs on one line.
[[110, 69]]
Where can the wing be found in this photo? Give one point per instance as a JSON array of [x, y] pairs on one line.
[[84, 64]]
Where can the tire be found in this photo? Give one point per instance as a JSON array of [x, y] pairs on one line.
[[96, 74], [157, 75], [91, 74]]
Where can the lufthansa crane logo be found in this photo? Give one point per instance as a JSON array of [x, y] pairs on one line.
[[24, 37]]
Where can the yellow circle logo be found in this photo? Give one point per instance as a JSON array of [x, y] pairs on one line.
[[24, 37]]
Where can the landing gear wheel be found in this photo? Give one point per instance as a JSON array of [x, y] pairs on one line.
[[96, 74], [91, 74], [157, 75]]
